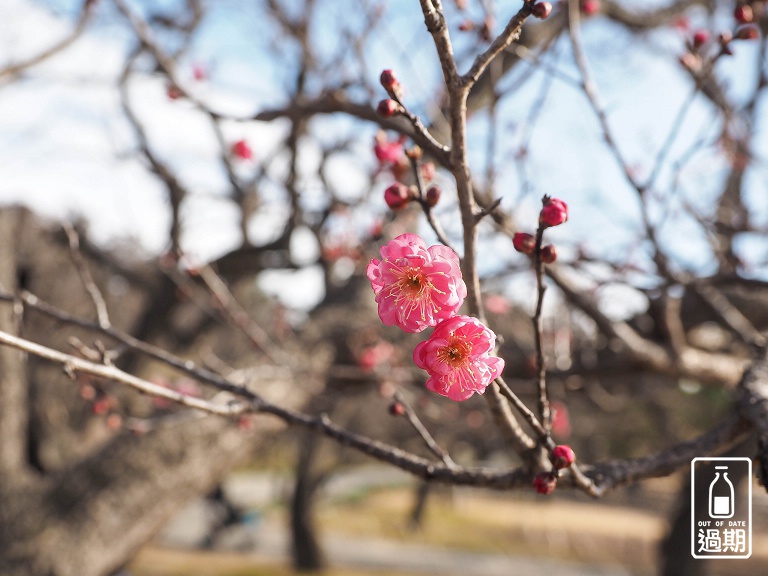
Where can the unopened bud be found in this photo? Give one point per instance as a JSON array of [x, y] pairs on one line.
[[541, 10], [548, 254], [397, 196], [748, 32], [700, 38], [524, 242], [396, 409], [545, 482], [388, 108], [414, 153], [554, 212], [387, 79], [562, 456], [590, 7], [743, 14], [391, 84], [432, 196]]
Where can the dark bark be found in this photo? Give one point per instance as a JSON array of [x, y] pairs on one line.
[[307, 550], [419, 506], [13, 387], [676, 558], [91, 500], [87, 521]]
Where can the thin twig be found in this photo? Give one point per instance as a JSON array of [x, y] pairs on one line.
[[425, 206], [86, 278], [510, 33], [545, 413], [239, 317], [525, 412], [74, 364], [429, 440], [605, 475], [85, 16]]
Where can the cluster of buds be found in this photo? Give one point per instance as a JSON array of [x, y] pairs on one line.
[[553, 213], [390, 106], [393, 154], [745, 15], [542, 10], [398, 196], [102, 404], [561, 457]]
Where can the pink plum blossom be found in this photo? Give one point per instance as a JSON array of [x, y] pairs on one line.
[[415, 286], [457, 358]]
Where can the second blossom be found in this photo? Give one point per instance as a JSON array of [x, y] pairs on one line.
[[416, 287]]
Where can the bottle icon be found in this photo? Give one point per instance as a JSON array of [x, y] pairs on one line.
[[721, 494]]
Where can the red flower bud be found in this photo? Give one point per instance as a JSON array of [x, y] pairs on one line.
[[396, 408], [174, 92], [562, 456], [433, 195], [524, 242], [87, 392], [700, 38], [390, 83], [199, 72], [388, 108], [545, 482], [541, 10], [114, 421], [397, 196], [387, 79], [554, 212], [548, 254], [743, 14], [242, 150], [748, 32], [590, 7]]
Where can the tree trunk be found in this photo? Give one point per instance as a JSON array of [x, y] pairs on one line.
[[93, 499], [88, 521], [307, 551]]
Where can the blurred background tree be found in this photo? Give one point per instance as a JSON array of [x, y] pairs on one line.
[[226, 164]]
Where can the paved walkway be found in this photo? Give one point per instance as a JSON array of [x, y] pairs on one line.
[[382, 554], [268, 538]]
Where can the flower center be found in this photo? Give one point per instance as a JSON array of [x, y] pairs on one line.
[[455, 354], [413, 282]]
